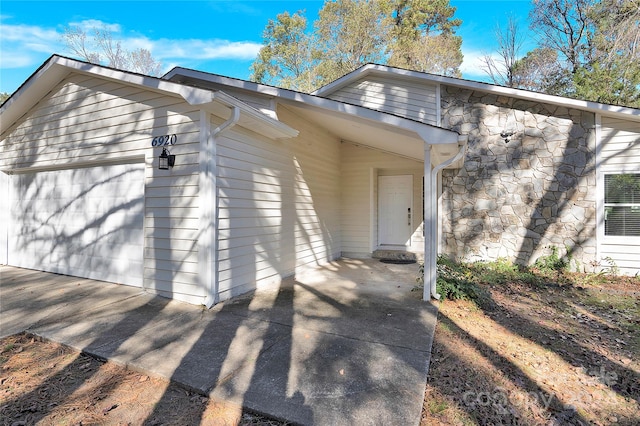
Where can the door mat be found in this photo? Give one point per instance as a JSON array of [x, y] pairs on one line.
[[398, 261]]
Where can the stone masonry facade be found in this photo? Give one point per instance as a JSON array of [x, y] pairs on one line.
[[517, 196]]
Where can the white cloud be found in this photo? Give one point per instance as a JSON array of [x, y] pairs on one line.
[[472, 65], [16, 58], [17, 33], [23, 48], [23, 44], [205, 49], [89, 25], [28, 45]]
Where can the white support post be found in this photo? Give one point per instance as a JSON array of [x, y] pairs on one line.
[[429, 226], [206, 238]]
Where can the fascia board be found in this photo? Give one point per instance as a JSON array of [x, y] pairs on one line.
[[382, 70], [57, 68], [30, 92], [281, 129], [344, 80], [431, 134], [226, 81], [435, 134]]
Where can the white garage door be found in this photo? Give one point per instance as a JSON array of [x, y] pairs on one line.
[[85, 222]]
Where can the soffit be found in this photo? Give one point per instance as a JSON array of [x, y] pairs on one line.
[[372, 134]]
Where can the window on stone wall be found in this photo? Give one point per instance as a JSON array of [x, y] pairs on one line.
[[622, 205]]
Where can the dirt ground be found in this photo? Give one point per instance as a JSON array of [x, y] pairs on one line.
[[46, 383], [551, 354], [526, 354]]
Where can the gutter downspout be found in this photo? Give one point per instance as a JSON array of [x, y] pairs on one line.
[[211, 200], [432, 255]]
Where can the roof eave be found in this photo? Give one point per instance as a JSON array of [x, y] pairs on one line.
[[436, 135], [368, 69], [56, 68]]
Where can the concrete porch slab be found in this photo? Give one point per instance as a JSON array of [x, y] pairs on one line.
[[343, 344]]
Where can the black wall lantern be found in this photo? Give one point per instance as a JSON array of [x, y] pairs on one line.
[[506, 136], [166, 160]]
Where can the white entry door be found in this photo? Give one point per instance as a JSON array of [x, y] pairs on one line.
[[395, 196], [85, 222]]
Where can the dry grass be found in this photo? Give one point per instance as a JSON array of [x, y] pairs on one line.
[[527, 352], [543, 353]]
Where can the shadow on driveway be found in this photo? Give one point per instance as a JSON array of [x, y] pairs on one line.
[[344, 344]]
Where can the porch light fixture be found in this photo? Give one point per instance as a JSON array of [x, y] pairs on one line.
[[166, 160], [506, 136], [510, 127]]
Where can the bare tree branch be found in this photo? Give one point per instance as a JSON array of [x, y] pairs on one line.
[[510, 40], [103, 49]]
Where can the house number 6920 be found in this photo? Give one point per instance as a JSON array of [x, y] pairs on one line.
[[164, 140]]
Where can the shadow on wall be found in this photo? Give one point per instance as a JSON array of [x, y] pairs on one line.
[[90, 216], [82, 221], [514, 199]]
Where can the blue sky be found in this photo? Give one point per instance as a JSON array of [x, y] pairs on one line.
[[216, 36]]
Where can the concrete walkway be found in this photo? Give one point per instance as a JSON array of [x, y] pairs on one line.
[[346, 344]]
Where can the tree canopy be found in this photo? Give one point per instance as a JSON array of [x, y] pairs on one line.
[[588, 49], [414, 34]]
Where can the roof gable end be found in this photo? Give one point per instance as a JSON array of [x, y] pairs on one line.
[[57, 68], [399, 74]]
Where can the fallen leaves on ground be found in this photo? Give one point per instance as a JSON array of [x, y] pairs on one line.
[[538, 354], [46, 383], [551, 354]]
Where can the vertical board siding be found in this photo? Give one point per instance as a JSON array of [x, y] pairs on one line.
[[87, 119], [357, 222], [277, 205], [417, 101], [619, 153]]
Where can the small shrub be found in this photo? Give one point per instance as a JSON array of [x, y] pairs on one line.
[[437, 405], [420, 277], [553, 262], [496, 272], [611, 267], [454, 280], [453, 289], [504, 271], [528, 277]]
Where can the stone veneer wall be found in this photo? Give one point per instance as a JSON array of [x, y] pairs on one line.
[[515, 200]]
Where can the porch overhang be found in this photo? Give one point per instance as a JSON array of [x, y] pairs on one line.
[[384, 132], [435, 147]]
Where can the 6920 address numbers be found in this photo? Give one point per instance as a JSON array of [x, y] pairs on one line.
[[164, 140]]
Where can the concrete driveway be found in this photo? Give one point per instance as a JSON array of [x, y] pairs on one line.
[[344, 344]]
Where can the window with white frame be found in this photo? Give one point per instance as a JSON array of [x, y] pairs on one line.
[[622, 205]]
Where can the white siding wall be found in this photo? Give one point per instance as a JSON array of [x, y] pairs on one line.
[[360, 167], [278, 205], [619, 153], [417, 101], [85, 120], [4, 216]]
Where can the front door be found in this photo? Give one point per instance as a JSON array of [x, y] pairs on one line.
[[395, 195]]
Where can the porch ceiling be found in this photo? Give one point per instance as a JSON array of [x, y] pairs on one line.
[[374, 134]]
